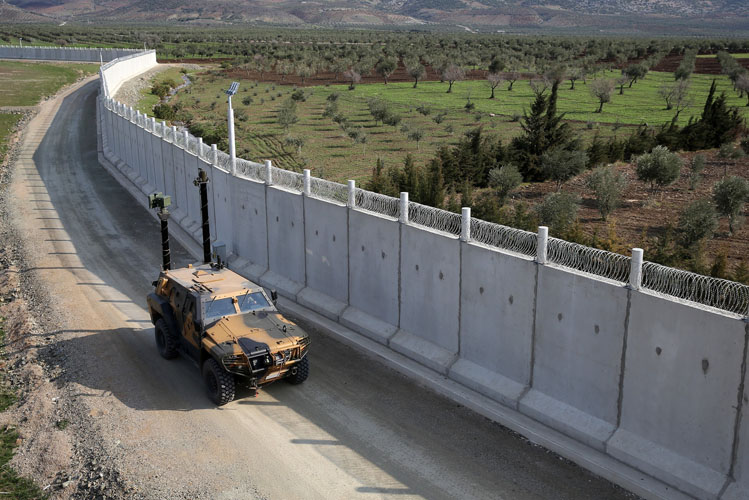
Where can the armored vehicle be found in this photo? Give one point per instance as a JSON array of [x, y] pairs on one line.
[[229, 326]]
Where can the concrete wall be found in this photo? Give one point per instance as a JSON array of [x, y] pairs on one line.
[[652, 383], [73, 54]]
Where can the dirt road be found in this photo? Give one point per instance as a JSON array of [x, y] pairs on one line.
[[355, 429]]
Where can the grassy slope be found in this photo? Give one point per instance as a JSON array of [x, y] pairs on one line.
[[24, 83], [147, 99], [328, 152]]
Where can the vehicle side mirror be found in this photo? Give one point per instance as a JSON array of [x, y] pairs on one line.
[[274, 296]]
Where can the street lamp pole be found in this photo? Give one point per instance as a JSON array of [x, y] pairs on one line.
[[232, 147]]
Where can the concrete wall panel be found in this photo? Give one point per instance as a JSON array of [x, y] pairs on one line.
[[579, 337], [249, 221], [430, 297], [285, 215], [681, 379], [497, 308], [326, 231], [374, 260]]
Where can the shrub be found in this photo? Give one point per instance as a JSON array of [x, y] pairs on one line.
[[247, 100], [504, 180], [332, 97], [696, 166], [729, 196], [439, 117], [697, 222], [607, 185], [560, 165], [558, 211], [659, 167], [424, 110], [298, 95]]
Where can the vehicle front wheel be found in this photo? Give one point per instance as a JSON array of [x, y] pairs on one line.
[[219, 383], [166, 339], [299, 372]]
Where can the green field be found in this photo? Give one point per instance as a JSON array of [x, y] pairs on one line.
[[148, 100], [708, 56], [330, 153], [7, 123], [25, 83]]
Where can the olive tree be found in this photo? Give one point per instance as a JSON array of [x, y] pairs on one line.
[[558, 211], [385, 67], [494, 80], [416, 70], [697, 222], [451, 74], [504, 180], [660, 167], [601, 89], [607, 185], [729, 195]]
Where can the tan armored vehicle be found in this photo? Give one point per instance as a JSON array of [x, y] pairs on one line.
[[229, 326]]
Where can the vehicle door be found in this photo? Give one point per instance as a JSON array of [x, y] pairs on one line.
[[190, 325]]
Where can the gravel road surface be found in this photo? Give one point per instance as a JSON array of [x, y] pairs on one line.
[[355, 429]]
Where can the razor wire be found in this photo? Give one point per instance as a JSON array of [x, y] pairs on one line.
[[168, 134], [609, 265], [507, 238], [434, 218], [714, 292], [287, 179], [377, 203], [179, 140], [327, 190], [192, 145], [224, 161], [250, 170]]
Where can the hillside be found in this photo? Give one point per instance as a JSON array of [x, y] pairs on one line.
[[637, 15]]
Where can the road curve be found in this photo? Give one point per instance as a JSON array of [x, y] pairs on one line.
[[355, 429]]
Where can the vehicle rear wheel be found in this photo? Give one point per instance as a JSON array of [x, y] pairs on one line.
[[219, 383], [166, 339], [299, 372]]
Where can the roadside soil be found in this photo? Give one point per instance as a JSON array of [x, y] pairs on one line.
[[645, 213], [59, 446]]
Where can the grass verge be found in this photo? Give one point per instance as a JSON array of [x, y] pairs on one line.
[[25, 83]]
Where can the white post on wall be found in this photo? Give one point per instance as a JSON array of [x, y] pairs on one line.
[[351, 194], [543, 243], [635, 270], [185, 134], [230, 115], [153, 125], [465, 224], [200, 147], [214, 155], [174, 134], [404, 208], [307, 182], [268, 173]]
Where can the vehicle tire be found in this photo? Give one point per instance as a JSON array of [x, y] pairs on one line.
[[219, 383], [166, 339], [301, 373]]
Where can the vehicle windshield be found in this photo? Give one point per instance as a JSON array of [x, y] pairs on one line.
[[252, 301], [220, 307], [247, 302]]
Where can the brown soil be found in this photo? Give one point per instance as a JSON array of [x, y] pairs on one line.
[[646, 214]]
